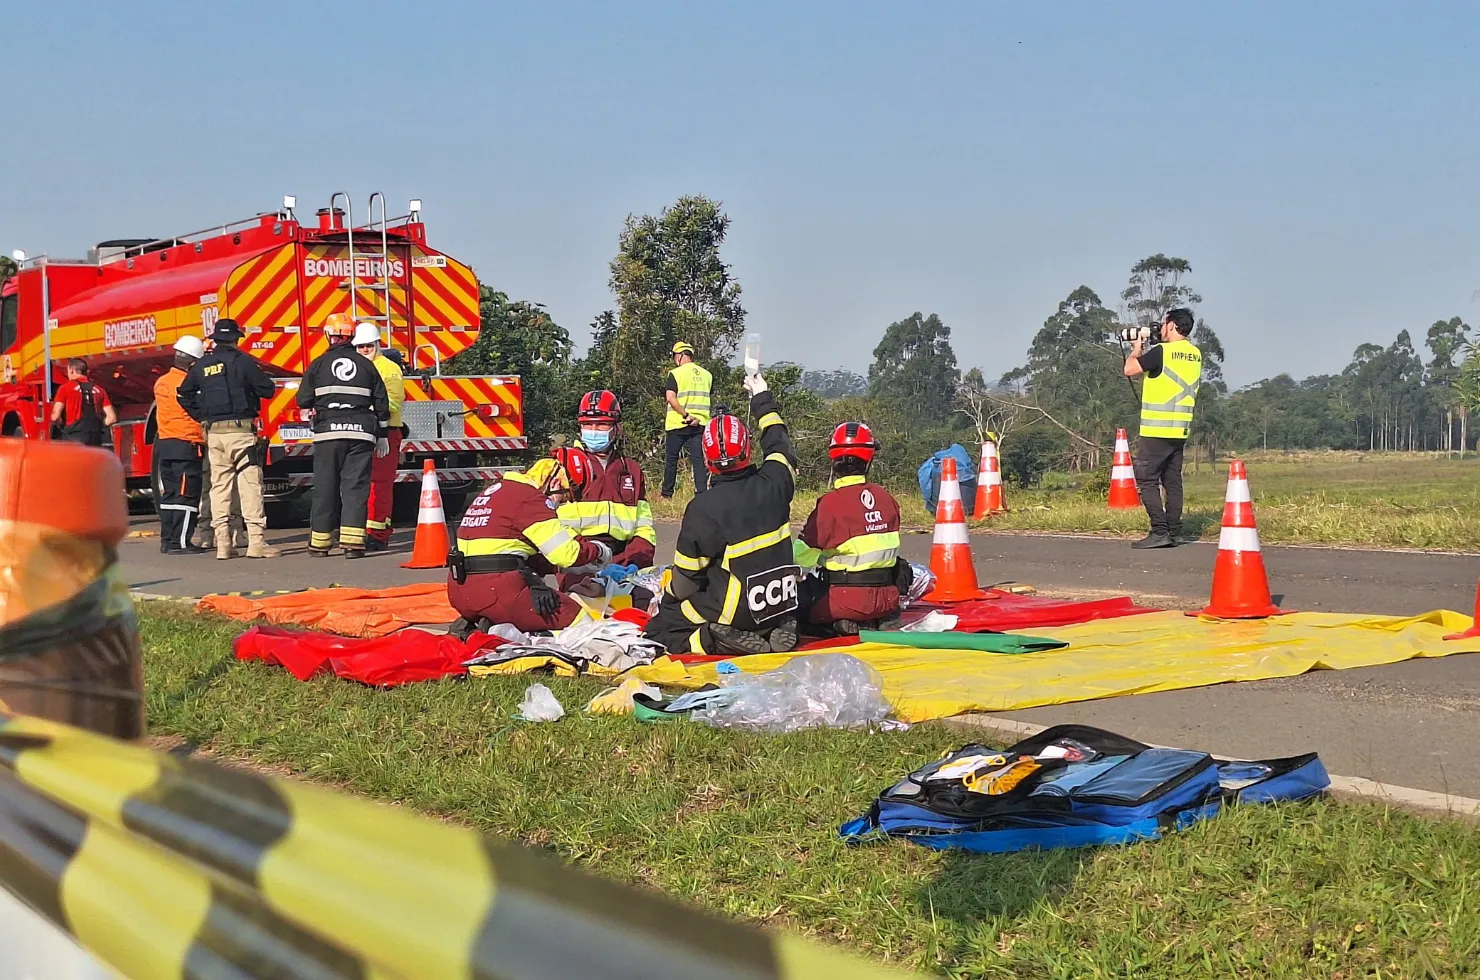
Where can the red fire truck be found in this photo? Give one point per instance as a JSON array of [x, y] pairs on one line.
[[124, 306]]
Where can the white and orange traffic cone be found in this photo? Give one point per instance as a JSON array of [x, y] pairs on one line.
[[1123, 494], [430, 549], [988, 483], [1474, 629], [1240, 584], [950, 552]]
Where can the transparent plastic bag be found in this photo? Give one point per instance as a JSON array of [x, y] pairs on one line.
[[539, 704], [921, 584], [823, 690]]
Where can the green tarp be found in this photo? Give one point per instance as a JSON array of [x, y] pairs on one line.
[[981, 642]]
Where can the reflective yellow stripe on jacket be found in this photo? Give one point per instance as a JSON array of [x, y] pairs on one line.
[[554, 540], [694, 384], [738, 550], [1167, 399], [865, 551], [597, 518]]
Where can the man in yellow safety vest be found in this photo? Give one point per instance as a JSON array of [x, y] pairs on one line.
[[1173, 370], [688, 394]]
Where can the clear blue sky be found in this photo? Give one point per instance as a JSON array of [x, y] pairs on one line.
[[1318, 163]]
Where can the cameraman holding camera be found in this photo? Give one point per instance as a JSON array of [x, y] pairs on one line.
[[1173, 369]]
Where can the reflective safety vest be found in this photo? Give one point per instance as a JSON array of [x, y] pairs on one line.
[[694, 385], [1167, 399], [395, 386], [171, 419], [613, 504]]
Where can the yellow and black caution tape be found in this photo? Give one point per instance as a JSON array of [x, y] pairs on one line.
[[165, 867]]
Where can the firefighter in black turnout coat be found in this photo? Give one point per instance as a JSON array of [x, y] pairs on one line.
[[351, 422], [734, 579]]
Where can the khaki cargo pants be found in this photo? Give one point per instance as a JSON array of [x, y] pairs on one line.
[[231, 448]]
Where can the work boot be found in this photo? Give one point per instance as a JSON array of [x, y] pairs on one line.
[[736, 641], [259, 548], [847, 627], [375, 544], [206, 539], [318, 552], [224, 550], [784, 637], [354, 552], [890, 624], [1154, 541]]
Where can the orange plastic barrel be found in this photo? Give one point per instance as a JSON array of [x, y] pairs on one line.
[[69, 641]]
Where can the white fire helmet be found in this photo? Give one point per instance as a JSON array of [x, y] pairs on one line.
[[366, 333], [193, 346]]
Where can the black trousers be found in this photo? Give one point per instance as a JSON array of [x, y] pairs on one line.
[[672, 628], [690, 437], [179, 501], [1158, 467], [341, 492]]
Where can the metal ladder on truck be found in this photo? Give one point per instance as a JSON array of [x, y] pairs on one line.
[[353, 284]]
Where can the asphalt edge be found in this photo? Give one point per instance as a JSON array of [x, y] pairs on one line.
[[1350, 787]]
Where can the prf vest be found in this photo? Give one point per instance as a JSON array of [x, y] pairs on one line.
[[693, 384], [1167, 399]]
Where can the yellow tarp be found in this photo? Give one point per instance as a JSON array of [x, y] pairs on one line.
[[1163, 651]]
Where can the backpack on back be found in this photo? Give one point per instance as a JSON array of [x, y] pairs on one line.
[[1074, 786]]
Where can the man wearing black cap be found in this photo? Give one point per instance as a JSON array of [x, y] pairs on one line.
[[223, 391]]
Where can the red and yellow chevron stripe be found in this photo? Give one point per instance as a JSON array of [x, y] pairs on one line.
[[446, 317]]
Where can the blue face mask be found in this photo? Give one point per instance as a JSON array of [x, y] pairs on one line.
[[596, 440]]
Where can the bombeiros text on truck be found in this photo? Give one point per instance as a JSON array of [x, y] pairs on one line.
[[125, 304]]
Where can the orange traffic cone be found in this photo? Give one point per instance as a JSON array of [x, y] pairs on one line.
[[1240, 584], [1474, 629], [989, 484], [950, 553], [430, 550], [1123, 495]]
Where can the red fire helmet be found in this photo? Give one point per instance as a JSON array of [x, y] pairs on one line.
[[853, 439], [726, 444], [599, 406], [577, 464]]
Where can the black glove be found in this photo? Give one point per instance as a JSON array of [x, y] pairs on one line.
[[546, 601]]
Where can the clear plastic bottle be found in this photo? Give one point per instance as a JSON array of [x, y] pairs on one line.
[[753, 354]]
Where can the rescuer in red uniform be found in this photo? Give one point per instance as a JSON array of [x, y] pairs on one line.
[[81, 407], [855, 526], [509, 539], [610, 501], [734, 585]]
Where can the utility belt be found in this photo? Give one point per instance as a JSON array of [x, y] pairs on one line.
[[870, 577], [231, 425], [462, 565]]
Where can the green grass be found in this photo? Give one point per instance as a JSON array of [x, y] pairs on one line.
[[744, 825], [1404, 500]]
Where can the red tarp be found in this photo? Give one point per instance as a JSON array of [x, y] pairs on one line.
[[411, 655], [1007, 612]]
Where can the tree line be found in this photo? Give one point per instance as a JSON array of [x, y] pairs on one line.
[[1059, 409]]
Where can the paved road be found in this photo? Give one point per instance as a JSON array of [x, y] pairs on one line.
[[1412, 724]]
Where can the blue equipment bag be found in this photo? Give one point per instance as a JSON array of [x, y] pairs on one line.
[[1074, 786], [929, 476]]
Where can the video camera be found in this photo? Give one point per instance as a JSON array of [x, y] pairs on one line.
[[1147, 335]]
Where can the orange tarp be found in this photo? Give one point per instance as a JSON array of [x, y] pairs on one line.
[[348, 612]]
